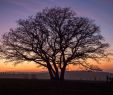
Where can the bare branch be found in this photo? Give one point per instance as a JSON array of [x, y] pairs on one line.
[[54, 38]]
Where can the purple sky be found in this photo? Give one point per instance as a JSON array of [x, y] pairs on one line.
[[99, 10]]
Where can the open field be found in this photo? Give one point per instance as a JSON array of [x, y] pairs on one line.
[[47, 87], [69, 75]]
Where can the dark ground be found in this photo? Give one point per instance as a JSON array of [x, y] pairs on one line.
[[47, 87]]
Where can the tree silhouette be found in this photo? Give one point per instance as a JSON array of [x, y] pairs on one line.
[[54, 38]]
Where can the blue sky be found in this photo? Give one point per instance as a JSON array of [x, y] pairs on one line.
[[99, 10]]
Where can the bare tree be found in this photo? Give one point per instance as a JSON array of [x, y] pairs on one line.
[[54, 38]]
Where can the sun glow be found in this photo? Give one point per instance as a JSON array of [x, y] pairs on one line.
[[22, 67], [32, 67]]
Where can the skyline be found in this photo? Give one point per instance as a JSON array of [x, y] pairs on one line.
[[98, 10]]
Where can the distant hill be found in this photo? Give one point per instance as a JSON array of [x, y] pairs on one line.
[[88, 75], [69, 75]]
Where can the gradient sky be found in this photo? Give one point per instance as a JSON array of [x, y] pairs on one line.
[[99, 10]]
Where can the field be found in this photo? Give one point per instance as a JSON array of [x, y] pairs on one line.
[[47, 87]]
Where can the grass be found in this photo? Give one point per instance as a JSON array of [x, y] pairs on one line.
[[47, 87]]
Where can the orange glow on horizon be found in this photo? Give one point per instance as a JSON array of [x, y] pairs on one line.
[[22, 67], [32, 67]]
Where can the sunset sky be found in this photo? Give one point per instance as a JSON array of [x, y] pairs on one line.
[[99, 10]]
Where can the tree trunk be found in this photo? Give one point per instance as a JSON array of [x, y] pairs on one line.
[[57, 75], [51, 74], [62, 73]]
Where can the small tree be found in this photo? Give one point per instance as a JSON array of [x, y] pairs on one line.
[[54, 38]]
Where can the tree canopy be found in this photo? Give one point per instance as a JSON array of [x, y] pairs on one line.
[[54, 38]]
